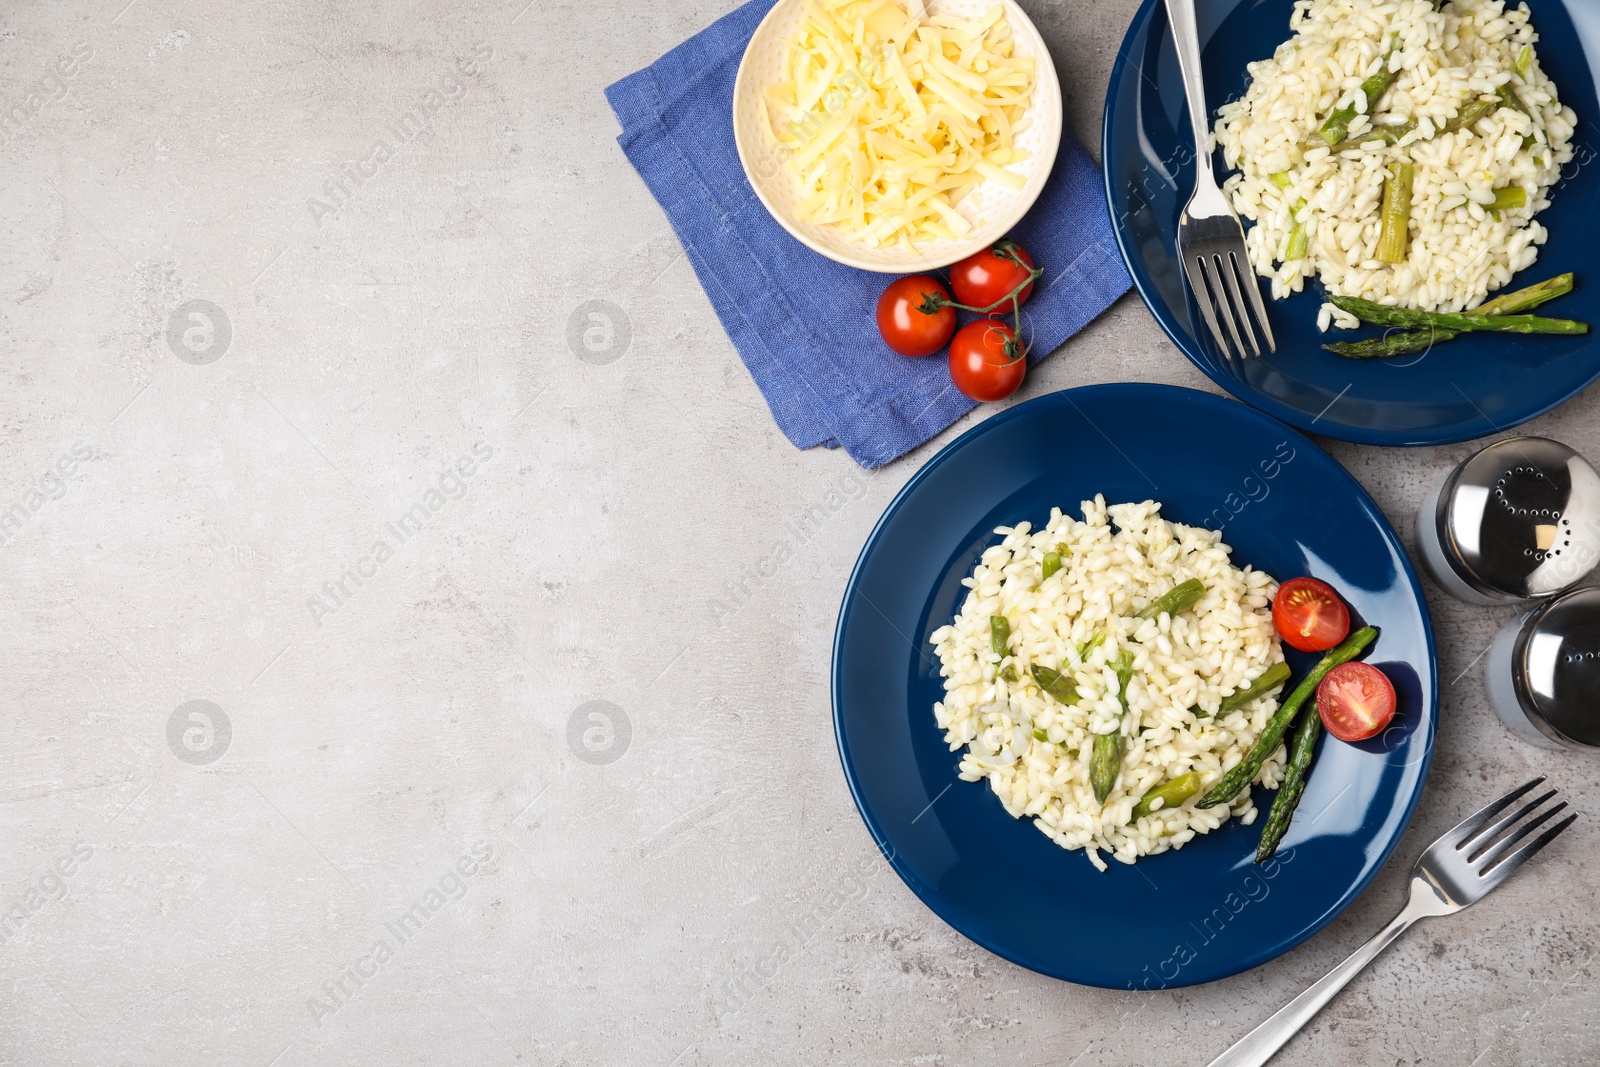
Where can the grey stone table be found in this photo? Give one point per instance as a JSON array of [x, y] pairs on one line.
[[511, 745]]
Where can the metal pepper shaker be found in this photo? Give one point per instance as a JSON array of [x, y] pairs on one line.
[[1544, 672], [1515, 523]]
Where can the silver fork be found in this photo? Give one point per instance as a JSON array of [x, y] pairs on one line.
[[1458, 870], [1210, 236]]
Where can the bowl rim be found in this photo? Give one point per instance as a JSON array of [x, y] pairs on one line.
[[1052, 84]]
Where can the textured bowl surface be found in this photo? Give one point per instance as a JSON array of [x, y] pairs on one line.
[[992, 209]]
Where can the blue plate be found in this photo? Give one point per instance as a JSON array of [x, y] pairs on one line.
[[1471, 387], [1188, 916]]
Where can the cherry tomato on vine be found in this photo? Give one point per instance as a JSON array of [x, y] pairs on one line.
[[904, 321], [1355, 700], [986, 360], [1309, 615], [989, 276]]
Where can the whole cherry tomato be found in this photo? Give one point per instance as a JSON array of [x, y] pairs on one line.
[[987, 277], [986, 360], [905, 321]]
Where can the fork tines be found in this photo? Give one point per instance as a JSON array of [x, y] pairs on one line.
[[1490, 845], [1229, 297]]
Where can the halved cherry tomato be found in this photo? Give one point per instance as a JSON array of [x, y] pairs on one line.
[[904, 323], [986, 361], [989, 276], [1309, 615], [1355, 700]]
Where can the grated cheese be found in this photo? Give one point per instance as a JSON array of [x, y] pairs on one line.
[[890, 120]]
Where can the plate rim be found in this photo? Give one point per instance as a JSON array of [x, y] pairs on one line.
[[927, 894], [1186, 344]]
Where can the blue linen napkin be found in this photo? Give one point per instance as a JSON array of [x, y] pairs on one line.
[[802, 323]]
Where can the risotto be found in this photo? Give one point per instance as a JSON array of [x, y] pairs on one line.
[[1423, 196], [1064, 636]]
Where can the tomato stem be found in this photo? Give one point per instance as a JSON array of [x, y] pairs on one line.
[[934, 301], [1015, 348], [1006, 248]]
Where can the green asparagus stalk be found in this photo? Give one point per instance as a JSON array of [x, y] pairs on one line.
[[1055, 683], [1299, 243], [1512, 196], [1123, 665], [1171, 793], [1000, 641], [1052, 563], [1396, 213], [1000, 635], [1271, 678], [1338, 122], [1299, 238], [1230, 784], [1467, 116], [1386, 134], [1402, 344], [1463, 322], [1395, 344], [1105, 761], [1292, 786], [1175, 601], [1509, 98], [1527, 299]]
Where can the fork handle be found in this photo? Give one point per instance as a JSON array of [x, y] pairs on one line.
[[1258, 1046], [1186, 37]]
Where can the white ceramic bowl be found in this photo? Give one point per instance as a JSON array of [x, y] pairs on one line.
[[992, 209]]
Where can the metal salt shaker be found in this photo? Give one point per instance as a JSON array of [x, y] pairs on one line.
[[1516, 523], [1544, 672]]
